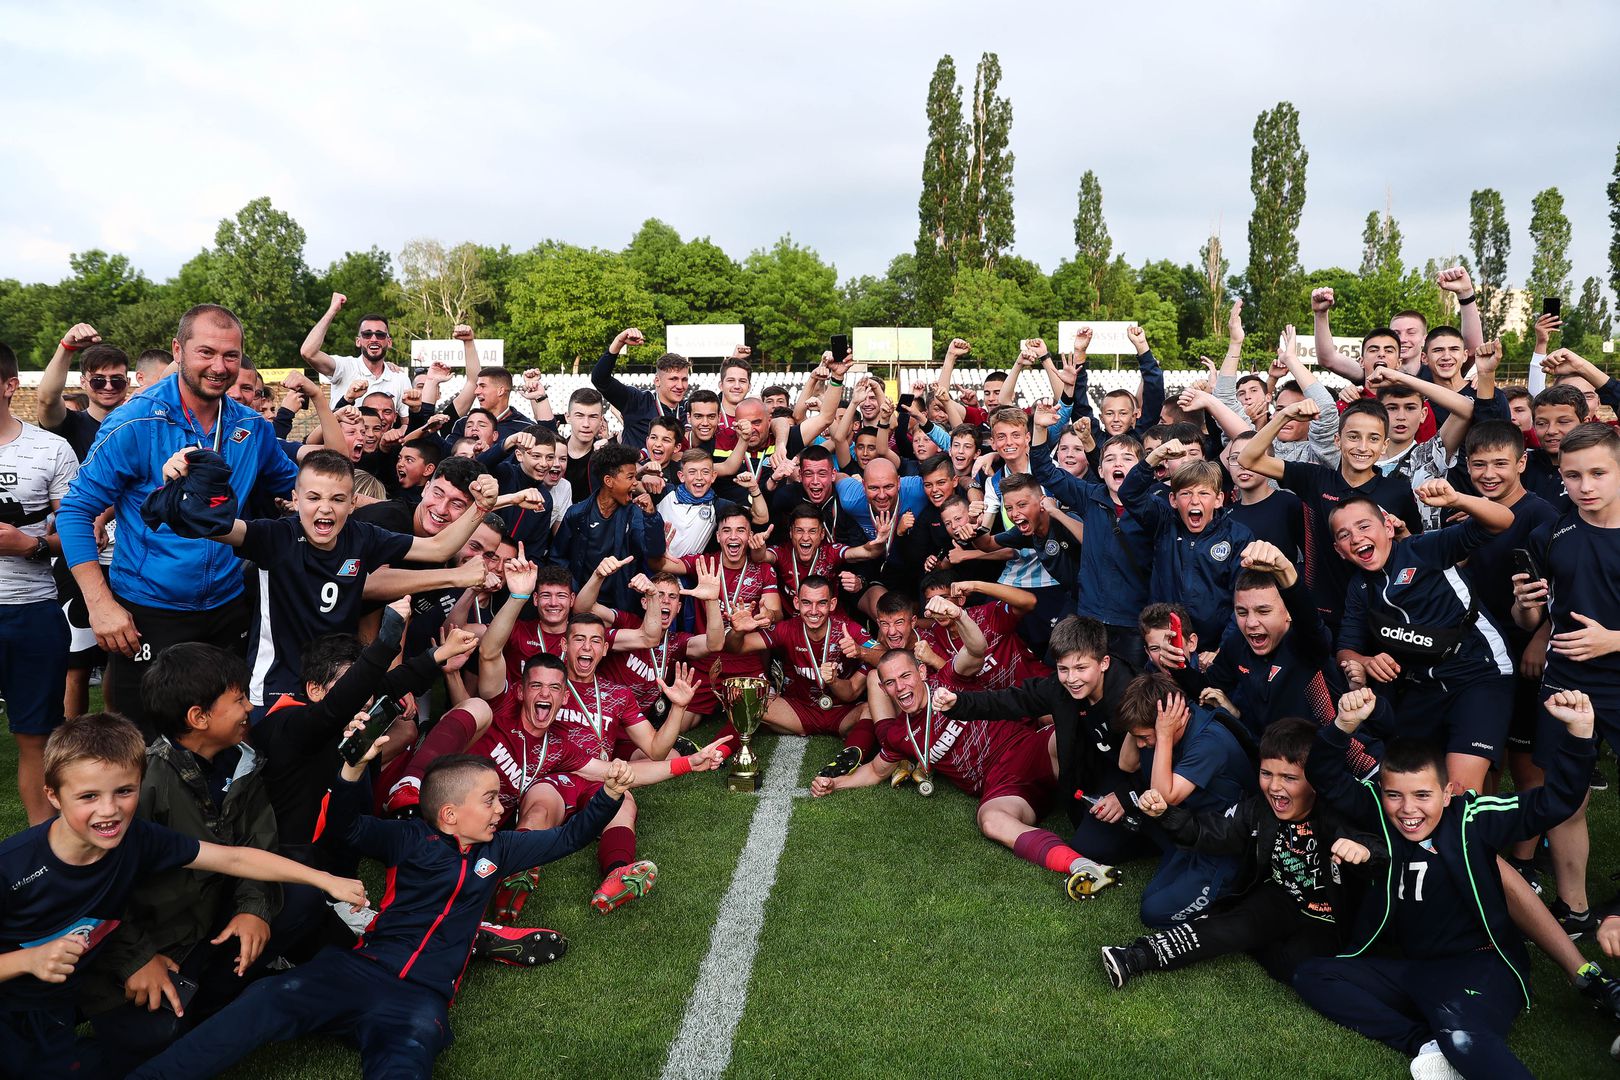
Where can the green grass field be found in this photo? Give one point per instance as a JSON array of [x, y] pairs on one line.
[[898, 942]]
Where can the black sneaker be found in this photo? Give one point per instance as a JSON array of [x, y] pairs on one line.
[[1599, 782], [1575, 923], [684, 747], [1120, 962], [1603, 991], [1527, 870], [843, 763], [518, 946]]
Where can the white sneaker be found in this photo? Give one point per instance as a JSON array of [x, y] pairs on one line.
[[1431, 1064]]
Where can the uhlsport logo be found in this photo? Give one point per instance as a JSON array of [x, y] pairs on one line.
[[1406, 635]]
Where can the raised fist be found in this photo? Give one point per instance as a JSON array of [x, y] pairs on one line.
[[462, 332], [1321, 301], [338, 300]]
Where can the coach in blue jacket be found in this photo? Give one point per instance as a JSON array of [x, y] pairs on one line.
[[165, 589]]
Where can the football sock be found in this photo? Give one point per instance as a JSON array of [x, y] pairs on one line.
[[863, 737], [1046, 849], [616, 848], [451, 735]]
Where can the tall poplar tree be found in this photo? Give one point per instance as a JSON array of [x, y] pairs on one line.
[[1488, 233], [944, 179], [1277, 179]]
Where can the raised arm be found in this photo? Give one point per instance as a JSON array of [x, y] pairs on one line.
[[613, 389], [48, 398], [469, 386], [1256, 454], [311, 350], [1455, 280], [1327, 355]]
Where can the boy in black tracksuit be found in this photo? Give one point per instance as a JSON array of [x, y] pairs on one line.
[[1462, 973], [1080, 698], [391, 994], [300, 738], [1292, 902]]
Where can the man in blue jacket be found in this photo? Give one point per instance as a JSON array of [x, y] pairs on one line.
[[641, 407], [165, 589]]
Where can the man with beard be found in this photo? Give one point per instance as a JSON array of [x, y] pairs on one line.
[[1011, 766], [165, 589], [373, 340], [817, 485]]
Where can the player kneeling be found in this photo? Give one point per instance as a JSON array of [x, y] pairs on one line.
[[1011, 767]]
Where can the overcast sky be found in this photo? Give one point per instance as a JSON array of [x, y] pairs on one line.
[[136, 127]]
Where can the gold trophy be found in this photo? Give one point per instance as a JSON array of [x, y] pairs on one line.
[[745, 708]]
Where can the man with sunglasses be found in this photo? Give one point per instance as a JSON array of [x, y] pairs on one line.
[[373, 340], [103, 375]]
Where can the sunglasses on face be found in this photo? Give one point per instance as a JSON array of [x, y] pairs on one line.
[[373, 333], [102, 382]]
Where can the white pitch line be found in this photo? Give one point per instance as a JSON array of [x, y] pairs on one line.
[[702, 1047]]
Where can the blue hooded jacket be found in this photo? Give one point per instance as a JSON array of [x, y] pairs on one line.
[[156, 568]]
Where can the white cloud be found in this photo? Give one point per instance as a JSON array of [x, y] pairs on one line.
[[138, 128]]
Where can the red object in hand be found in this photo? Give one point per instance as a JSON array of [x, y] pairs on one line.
[[1176, 637]]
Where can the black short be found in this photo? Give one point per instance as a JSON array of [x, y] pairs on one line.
[[225, 626], [1521, 737]]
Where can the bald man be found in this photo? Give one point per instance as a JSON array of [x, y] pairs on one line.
[[881, 487]]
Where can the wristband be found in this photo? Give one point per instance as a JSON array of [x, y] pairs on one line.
[[66, 347], [835, 382], [542, 397], [1464, 301], [519, 596], [680, 766]]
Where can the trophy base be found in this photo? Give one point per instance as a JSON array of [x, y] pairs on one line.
[[746, 783]]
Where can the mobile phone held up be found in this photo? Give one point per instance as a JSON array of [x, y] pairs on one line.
[[1525, 563], [840, 346], [378, 720], [1176, 637], [1553, 306]]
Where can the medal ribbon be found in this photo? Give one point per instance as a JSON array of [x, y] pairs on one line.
[[595, 718]]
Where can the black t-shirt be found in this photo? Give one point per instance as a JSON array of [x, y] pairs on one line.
[[1490, 567], [1277, 519], [1299, 866], [305, 593], [578, 474], [1434, 916], [46, 898], [79, 429], [1582, 563], [395, 515]]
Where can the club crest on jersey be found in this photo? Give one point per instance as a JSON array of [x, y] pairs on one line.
[[484, 868], [240, 435], [1221, 551], [1051, 548], [350, 568], [1406, 575]]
